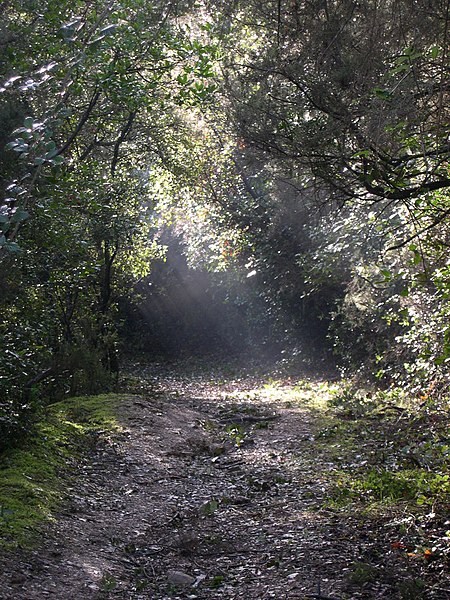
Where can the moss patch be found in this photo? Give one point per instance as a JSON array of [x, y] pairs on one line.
[[33, 475]]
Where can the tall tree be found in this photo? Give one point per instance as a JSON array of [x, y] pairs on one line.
[[89, 99]]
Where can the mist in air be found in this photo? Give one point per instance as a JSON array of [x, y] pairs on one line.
[[185, 310]]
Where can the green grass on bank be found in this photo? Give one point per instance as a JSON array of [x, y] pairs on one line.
[[391, 465], [35, 475], [386, 449]]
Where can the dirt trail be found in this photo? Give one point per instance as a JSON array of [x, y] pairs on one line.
[[203, 495]]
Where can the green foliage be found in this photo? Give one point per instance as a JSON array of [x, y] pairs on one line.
[[216, 581], [393, 450], [108, 582], [209, 508], [339, 219], [236, 434], [298, 163], [412, 589], [363, 573], [346, 112], [416, 485], [88, 95]]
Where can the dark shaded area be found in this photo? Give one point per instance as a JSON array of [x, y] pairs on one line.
[[183, 310]]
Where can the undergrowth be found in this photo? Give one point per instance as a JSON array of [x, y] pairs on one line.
[[34, 475], [391, 457], [390, 449]]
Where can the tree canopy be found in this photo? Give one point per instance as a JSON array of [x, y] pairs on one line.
[[295, 153]]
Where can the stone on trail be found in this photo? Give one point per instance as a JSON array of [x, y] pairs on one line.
[[179, 578]]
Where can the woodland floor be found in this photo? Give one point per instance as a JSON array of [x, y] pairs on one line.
[[214, 489]]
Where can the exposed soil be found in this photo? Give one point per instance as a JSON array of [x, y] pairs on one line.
[[204, 494]]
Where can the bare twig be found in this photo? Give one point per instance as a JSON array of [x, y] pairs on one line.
[[120, 139], [81, 122], [435, 222]]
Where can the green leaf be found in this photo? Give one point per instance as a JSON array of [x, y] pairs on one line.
[[19, 216], [28, 122], [12, 247], [434, 52], [383, 94], [182, 79], [51, 154], [217, 581], [210, 507], [17, 145], [108, 582], [399, 69], [362, 153]]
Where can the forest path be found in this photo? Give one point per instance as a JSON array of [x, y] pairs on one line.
[[212, 490]]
